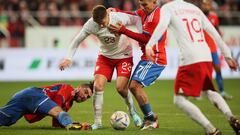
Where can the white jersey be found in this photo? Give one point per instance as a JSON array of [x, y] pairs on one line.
[[187, 22], [112, 46]]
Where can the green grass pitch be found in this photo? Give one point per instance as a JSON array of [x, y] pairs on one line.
[[172, 120]]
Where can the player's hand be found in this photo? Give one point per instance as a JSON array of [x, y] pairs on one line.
[[64, 64], [79, 126], [111, 9], [232, 64], [150, 53], [115, 28]]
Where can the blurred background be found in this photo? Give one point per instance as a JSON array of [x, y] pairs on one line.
[[35, 34]]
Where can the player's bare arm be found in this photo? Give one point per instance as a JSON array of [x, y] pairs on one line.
[[65, 63], [232, 64], [115, 28], [150, 53]]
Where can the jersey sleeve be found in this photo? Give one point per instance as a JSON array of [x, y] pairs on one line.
[[209, 28], [161, 27], [132, 20], [84, 32], [126, 20]]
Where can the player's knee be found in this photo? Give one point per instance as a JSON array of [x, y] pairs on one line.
[[134, 87], [64, 118], [98, 87], [178, 99], [122, 91], [121, 88]]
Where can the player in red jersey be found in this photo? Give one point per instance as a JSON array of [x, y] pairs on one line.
[[35, 103], [206, 7], [146, 72], [194, 72]]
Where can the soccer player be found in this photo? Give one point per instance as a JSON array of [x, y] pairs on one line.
[[34, 103], [115, 52], [194, 72], [146, 71], [206, 7]]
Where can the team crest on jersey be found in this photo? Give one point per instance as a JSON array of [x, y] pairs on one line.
[[97, 68], [180, 91]]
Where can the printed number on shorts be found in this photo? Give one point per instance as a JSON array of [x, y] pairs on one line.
[[194, 29], [126, 66], [140, 68]]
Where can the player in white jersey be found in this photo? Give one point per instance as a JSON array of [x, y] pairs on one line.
[[194, 73], [115, 52]]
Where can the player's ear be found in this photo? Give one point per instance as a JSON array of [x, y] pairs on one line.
[[91, 85]]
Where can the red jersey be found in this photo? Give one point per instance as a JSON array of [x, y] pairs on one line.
[[213, 18], [61, 94], [150, 22]]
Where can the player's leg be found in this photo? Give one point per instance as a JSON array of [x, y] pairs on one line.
[[190, 87], [193, 112], [103, 73], [124, 68], [45, 106], [99, 84], [122, 88], [219, 78], [145, 74], [150, 119], [14, 109], [219, 102], [10, 113]]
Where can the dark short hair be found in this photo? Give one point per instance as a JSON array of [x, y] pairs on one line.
[[98, 13], [88, 85]]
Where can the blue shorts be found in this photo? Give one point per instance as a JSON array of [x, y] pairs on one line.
[[28, 101], [147, 72], [215, 59]]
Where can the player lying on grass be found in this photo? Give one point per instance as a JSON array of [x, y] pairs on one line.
[[34, 103]]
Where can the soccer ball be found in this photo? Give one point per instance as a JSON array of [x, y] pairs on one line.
[[120, 120]]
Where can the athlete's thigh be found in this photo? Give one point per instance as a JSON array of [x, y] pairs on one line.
[[45, 106], [208, 83], [122, 82], [124, 67], [104, 66], [11, 113], [100, 82]]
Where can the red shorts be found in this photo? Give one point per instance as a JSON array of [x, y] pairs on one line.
[[105, 66], [191, 79]]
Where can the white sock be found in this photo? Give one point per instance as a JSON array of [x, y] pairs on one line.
[[219, 102], [97, 104], [129, 102], [194, 112]]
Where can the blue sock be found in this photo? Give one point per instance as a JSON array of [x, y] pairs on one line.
[[219, 81], [147, 111], [64, 119]]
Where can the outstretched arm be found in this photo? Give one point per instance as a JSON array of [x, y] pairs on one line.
[[67, 61], [207, 26]]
